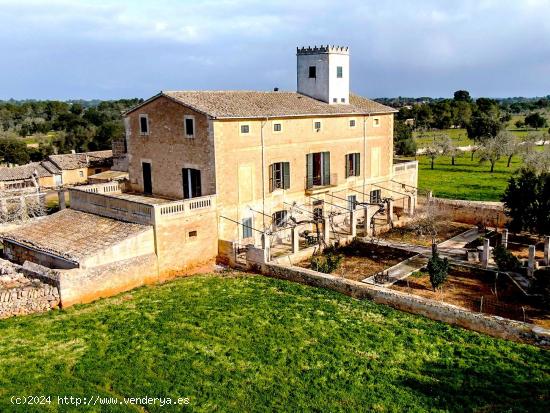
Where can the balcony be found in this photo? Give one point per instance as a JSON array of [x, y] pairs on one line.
[[111, 201], [401, 166], [319, 184]]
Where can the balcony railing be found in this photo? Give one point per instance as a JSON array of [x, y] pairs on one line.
[[401, 165], [320, 182]]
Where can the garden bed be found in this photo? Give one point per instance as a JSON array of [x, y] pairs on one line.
[[361, 260], [466, 287], [407, 235]]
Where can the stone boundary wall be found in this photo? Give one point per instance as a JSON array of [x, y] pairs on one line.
[[492, 325], [472, 212], [26, 290]]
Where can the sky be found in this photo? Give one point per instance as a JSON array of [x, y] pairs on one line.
[[109, 49]]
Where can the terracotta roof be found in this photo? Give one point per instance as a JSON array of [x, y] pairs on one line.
[[250, 104], [82, 160], [21, 172], [73, 234]]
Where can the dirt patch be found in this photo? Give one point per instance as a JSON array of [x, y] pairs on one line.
[[406, 234], [361, 260], [465, 288]]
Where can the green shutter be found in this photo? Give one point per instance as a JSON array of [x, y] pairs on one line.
[[309, 170], [271, 178], [326, 168], [347, 165], [286, 175], [357, 164]]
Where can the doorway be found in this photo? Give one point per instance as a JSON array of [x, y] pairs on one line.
[[147, 182]]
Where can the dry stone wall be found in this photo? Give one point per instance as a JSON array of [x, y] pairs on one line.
[[25, 291]]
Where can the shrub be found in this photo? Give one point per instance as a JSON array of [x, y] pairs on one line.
[[505, 260], [326, 262], [438, 269]]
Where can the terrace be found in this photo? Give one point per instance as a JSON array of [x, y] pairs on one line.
[[110, 200]]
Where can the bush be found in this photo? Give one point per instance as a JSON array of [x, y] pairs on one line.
[[326, 262], [505, 260], [438, 269]]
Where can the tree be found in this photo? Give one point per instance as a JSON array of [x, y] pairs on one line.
[[537, 161], [403, 141], [505, 260], [436, 147], [535, 120], [448, 148], [483, 127], [438, 269], [492, 149], [520, 124], [510, 145], [527, 202], [462, 96], [14, 150]]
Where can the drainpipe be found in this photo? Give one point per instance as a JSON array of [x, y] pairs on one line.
[[364, 155]]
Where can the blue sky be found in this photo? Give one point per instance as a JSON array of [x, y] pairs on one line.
[[63, 49]]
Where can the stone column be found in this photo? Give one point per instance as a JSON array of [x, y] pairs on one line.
[[353, 223], [295, 240], [265, 241], [61, 196], [369, 212], [3, 207], [389, 217], [547, 250], [326, 230], [485, 253], [411, 206], [429, 196], [23, 203], [531, 261], [505, 238]]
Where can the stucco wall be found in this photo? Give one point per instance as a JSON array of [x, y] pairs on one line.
[[19, 254], [472, 212]]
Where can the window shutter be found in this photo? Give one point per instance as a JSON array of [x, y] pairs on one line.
[[357, 164], [185, 177], [196, 182], [347, 165], [286, 175], [326, 168], [271, 177], [309, 170]]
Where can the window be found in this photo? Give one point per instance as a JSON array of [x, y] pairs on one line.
[[245, 129], [352, 201], [143, 125], [277, 127], [353, 164], [318, 214], [81, 174], [312, 72], [191, 183], [97, 171], [376, 196], [318, 169], [343, 100], [352, 123], [279, 218], [334, 100], [279, 176], [189, 126], [317, 125], [339, 72], [376, 122], [192, 234], [247, 227]]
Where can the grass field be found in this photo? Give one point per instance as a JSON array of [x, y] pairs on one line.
[[459, 137], [243, 344], [467, 179]]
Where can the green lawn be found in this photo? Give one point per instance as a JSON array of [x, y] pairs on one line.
[[459, 137], [239, 344], [467, 179]]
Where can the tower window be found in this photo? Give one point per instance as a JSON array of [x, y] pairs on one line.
[[339, 72], [352, 123], [245, 129], [317, 125], [335, 100], [189, 126], [143, 125], [312, 72], [277, 127], [343, 100]]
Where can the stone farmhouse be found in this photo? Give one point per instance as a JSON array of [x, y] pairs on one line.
[[215, 173]]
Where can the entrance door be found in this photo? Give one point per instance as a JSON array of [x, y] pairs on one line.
[[147, 183]]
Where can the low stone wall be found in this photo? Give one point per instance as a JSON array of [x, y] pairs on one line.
[[472, 212], [487, 324], [23, 291]]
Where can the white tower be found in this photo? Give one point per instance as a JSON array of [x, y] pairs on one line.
[[323, 73]]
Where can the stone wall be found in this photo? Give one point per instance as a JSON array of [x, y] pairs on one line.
[[472, 212], [23, 291], [487, 324]]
